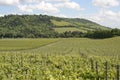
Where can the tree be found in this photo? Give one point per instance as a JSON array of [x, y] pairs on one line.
[[99, 34], [115, 32]]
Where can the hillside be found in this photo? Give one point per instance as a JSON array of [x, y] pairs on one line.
[[42, 25], [81, 24]]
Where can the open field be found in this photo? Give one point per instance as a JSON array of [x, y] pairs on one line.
[[61, 59], [22, 44], [60, 23], [96, 47], [61, 30]]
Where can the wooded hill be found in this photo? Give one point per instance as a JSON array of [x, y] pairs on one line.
[[43, 26]]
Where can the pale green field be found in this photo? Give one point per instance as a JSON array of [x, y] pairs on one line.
[[95, 47], [21, 44], [102, 47], [60, 23], [61, 30]]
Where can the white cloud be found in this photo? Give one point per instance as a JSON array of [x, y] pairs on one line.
[[70, 5], [36, 1], [9, 2], [25, 8], [105, 3], [31, 1], [47, 5], [105, 17], [59, 0], [44, 6]]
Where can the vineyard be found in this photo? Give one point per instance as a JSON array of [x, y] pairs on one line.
[[60, 59]]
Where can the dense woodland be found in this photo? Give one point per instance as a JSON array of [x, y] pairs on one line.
[[40, 26]]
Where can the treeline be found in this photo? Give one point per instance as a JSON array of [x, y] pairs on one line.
[[100, 34], [50, 33]]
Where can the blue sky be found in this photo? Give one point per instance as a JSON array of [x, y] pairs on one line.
[[104, 12]]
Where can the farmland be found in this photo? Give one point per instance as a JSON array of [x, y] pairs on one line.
[[60, 23], [59, 59], [22, 44], [61, 30]]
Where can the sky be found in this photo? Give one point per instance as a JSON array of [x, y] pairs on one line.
[[104, 12]]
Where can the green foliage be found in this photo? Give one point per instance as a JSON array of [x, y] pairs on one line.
[[100, 34], [68, 34], [115, 32], [17, 26]]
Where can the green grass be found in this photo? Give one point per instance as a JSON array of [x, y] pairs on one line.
[[61, 30], [92, 47], [21, 44], [96, 47], [60, 23]]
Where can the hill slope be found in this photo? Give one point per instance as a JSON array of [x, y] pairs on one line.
[[40, 25], [81, 24]]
